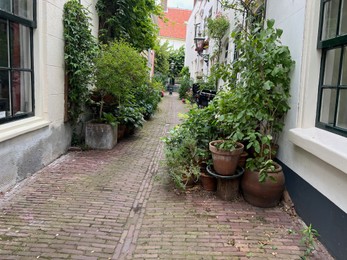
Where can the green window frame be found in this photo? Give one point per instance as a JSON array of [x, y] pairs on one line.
[[17, 23], [332, 90]]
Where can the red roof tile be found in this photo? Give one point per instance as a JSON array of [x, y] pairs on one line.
[[176, 25]]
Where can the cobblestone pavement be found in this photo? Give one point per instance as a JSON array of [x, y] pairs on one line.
[[119, 204]]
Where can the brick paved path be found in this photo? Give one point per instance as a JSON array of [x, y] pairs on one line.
[[120, 204]]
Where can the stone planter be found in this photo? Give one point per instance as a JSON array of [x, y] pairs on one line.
[[100, 136]]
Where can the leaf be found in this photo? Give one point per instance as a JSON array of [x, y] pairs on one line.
[[267, 85]]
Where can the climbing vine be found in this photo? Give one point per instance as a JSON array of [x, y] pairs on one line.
[[80, 50], [129, 20], [217, 29]]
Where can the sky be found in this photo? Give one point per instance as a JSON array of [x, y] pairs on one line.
[[184, 4]]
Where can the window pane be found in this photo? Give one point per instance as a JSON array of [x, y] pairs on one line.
[[23, 8], [332, 63], [344, 68], [20, 46], [328, 106], [343, 22], [21, 92], [342, 109], [5, 5], [330, 16], [3, 44], [4, 93]]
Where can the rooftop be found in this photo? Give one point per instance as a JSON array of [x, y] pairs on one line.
[[176, 24]]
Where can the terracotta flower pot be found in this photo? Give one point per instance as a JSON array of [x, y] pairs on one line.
[[263, 194], [208, 182], [121, 131], [225, 162]]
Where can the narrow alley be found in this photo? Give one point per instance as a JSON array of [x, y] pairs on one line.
[[120, 204]]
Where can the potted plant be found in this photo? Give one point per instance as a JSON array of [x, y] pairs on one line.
[[119, 70], [193, 135], [129, 117], [225, 155], [263, 67], [181, 154]]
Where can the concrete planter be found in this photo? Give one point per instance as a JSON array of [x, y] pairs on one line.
[[100, 136]]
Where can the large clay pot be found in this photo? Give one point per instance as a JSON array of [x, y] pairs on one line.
[[265, 194], [225, 162], [243, 159]]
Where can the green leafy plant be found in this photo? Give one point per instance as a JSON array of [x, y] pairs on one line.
[[309, 235], [253, 106], [128, 20], [80, 50], [216, 29], [129, 115], [226, 145], [148, 97], [176, 58], [186, 83], [109, 118], [120, 70], [161, 60], [181, 152]]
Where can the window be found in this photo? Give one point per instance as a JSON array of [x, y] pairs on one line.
[[332, 95], [17, 21]]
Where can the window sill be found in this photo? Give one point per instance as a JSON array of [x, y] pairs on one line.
[[20, 127], [329, 147]]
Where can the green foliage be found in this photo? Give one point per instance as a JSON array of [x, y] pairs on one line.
[[211, 83], [216, 29], [109, 118], [176, 58], [257, 98], [309, 235], [161, 61], [198, 124], [120, 70], [147, 97], [186, 83], [181, 153], [185, 72], [129, 115], [249, 8], [187, 145], [80, 50], [226, 145], [130, 20]]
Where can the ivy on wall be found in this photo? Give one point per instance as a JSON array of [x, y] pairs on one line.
[[80, 50], [129, 20]]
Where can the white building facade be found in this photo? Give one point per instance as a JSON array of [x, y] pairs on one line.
[[313, 145], [32, 86], [200, 63]]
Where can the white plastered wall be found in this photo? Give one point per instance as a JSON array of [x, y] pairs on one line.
[[28, 145], [201, 11], [318, 156]]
